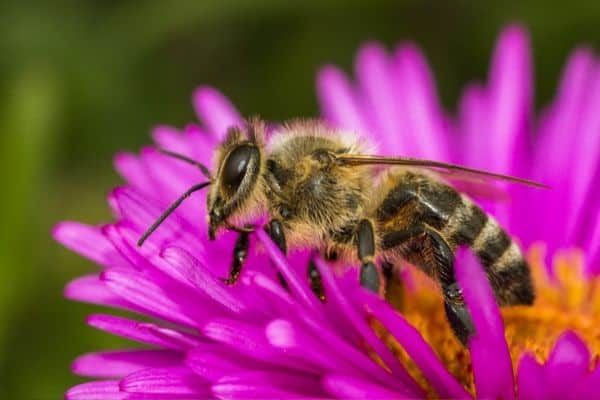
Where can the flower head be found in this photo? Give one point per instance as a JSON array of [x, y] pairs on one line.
[[258, 339]]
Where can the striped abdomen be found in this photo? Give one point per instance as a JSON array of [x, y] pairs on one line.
[[418, 200], [505, 265]]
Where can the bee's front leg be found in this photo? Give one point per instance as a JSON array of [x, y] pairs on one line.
[[240, 252], [275, 231], [365, 242]]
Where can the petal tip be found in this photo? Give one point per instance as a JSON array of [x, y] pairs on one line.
[[60, 230], [514, 32]]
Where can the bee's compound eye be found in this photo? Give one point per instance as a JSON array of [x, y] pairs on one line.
[[236, 166]]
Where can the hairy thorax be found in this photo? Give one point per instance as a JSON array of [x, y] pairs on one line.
[[319, 203]]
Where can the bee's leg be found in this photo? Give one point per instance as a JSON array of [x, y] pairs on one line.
[[314, 277], [393, 288], [365, 241], [275, 230], [430, 250], [454, 304], [457, 313], [240, 252]]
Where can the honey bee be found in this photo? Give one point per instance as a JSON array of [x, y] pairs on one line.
[[320, 190]]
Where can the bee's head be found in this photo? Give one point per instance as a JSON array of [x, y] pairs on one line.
[[238, 170], [234, 187]]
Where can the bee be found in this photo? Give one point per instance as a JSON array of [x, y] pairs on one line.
[[320, 189]]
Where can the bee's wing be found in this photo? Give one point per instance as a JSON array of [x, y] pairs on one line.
[[476, 187], [473, 181]]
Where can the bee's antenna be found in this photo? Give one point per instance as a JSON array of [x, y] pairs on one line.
[[202, 167], [169, 210]]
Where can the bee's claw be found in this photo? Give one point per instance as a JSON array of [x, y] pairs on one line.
[[460, 320]]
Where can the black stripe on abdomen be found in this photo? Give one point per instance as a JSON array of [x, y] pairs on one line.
[[507, 270], [492, 244], [395, 199], [434, 203], [470, 222]]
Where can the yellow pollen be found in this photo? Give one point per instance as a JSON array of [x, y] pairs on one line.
[[568, 301]]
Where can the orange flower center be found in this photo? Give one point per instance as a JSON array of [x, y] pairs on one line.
[[568, 301]]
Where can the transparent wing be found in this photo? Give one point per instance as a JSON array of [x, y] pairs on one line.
[[475, 182]]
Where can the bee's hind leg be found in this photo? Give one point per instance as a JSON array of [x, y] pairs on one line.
[[393, 287], [457, 313], [454, 304], [428, 248]]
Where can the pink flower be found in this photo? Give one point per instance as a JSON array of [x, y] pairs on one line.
[[256, 339]]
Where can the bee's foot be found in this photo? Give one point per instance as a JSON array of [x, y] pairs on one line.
[[228, 281], [369, 277], [460, 321]]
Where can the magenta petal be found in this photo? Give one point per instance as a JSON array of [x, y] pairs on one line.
[[201, 142], [510, 98], [114, 364], [143, 332], [252, 390], [132, 169], [171, 139], [248, 339], [584, 167], [531, 379], [170, 179], [338, 100], [315, 354], [212, 361], [567, 364], [424, 130], [215, 110], [588, 388], [249, 384], [348, 387], [147, 257], [593, 247], [349, 355], [160, 300], [187, 269], [91, 289], [140, 212], [374, 73], [134, 255], [492, 379], [89, 242], [297, 286], [275, 300], [473, 126], [174, 382], [563, 116], [184, 339], [413, 343], [101, 390], [359, 324]]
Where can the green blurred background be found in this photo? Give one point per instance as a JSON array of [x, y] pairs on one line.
[[81, 80]]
